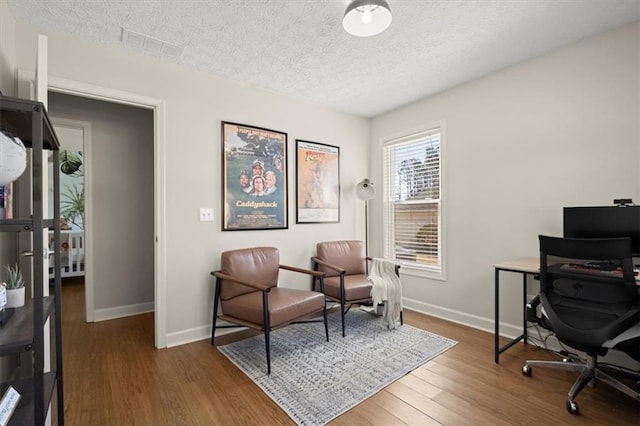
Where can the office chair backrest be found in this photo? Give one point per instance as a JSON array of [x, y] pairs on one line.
[[257, 264], [347, 254], [587, 305], [613, 253]]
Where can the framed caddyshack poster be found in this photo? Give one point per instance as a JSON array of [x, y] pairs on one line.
[[254, 178]]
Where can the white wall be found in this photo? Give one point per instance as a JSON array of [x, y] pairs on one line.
[[521, 144], [560, 130], [7, 49], [195, 105]]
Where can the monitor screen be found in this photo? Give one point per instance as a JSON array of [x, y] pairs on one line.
[[604, 222]]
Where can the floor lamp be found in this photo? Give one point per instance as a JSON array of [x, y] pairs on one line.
[[365, 191]]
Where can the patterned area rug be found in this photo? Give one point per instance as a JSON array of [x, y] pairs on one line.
[[314, 381]]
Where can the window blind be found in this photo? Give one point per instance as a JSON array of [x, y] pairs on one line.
[[411, 200]]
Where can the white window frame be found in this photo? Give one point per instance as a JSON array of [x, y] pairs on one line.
[[388, 242]]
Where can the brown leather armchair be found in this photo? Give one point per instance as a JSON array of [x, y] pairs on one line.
[[249, 296], [344, 265]]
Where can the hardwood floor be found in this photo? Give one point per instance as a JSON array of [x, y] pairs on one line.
[[114, 376]]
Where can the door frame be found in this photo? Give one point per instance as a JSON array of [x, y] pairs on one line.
[[89, 281], [158, 106]]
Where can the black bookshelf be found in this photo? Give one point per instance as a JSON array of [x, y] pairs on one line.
[[25, 329]]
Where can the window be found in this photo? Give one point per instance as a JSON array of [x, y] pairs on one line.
[[412, 220]]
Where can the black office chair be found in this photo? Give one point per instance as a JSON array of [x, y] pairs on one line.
[[589, 297]]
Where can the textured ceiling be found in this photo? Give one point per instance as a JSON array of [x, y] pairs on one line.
[[298, 47]]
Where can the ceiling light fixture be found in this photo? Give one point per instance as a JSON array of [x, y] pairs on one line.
[[365, 18]]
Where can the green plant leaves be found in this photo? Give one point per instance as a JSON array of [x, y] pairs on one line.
[[71, 162]]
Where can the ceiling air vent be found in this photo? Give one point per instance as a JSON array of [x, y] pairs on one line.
[[150, 45]]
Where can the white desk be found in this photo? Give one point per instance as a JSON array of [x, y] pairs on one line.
[[522, 265]]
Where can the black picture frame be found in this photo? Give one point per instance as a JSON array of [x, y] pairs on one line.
[[249, 202], [317, 182]]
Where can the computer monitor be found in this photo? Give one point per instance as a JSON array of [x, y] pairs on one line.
[[604, 222]]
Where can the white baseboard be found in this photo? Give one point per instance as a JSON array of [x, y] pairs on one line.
[[188, 336], [485, 324], [474, 321], [198, 333], [513, 331], [122, 311]]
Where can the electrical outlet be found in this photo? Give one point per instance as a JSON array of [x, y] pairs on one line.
[[206, 214]]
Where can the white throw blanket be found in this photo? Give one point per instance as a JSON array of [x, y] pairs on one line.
[[386, 289]]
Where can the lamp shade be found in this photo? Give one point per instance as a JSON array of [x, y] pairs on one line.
[[365, 18], [365, 190]]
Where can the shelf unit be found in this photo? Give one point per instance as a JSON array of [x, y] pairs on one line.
[[25, 330]]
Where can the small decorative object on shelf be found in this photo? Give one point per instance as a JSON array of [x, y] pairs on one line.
[[13, 161], [3, 296], [5, 314], [8, 405], [14, 286]]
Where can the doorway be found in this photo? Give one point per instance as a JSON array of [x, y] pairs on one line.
[[158, 108], [121, 211], [26, 86], [75, 176]]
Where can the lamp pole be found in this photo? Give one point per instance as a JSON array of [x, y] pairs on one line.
[[365, 191], [366, 228]]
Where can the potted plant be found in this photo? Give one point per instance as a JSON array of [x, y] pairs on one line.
[[15, 286], [72, 196]]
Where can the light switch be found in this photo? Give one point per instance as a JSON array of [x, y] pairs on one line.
[[206, 214]]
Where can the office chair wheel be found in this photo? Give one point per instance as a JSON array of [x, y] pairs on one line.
[[526, 370], [572, 407]]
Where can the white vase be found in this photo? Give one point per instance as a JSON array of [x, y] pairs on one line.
[[15, 297]]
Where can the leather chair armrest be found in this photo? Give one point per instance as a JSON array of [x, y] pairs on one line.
[[257, 286], [302, 270], [328, 265], [315, 274]]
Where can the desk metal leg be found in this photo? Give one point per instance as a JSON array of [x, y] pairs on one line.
[[496, 316], [524, 308], [497, 348]]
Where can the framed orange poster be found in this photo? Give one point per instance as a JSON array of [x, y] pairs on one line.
[[317, 182]]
